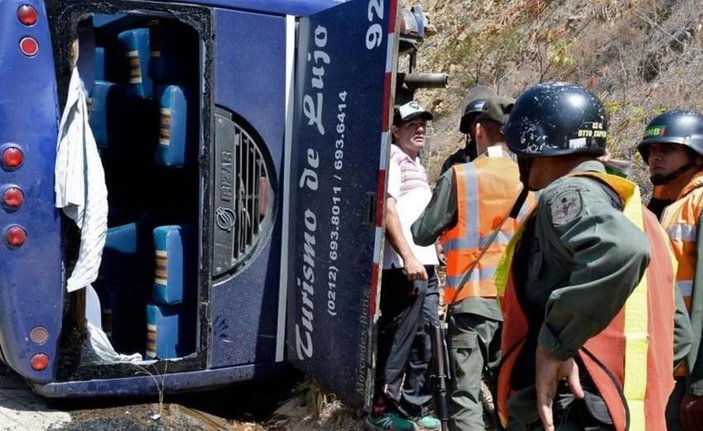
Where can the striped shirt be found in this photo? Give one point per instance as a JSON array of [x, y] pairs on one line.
[[407, 184]]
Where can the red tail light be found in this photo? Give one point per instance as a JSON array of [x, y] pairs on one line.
[[12, 157], [39, 335], [16, 236], [27, 15], [29, 46], [39, 362], [13, 197]]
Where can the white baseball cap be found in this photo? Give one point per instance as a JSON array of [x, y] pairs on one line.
[[410, 110]]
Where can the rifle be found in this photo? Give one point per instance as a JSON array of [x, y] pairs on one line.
[[440, 355]]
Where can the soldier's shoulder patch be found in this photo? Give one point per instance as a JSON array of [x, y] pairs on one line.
[[566, 205]]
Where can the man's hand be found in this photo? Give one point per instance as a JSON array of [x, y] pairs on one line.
[[414, 269], [692, 412], [394, 234], [548, 372], [440, 253]]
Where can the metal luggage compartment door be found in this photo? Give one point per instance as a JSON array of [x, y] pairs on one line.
[[336, 173]]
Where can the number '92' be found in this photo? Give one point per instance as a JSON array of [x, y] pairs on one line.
[[374, 34]]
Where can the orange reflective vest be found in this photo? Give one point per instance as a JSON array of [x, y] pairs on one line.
[[486, 190], [630, 361], [680, 221]]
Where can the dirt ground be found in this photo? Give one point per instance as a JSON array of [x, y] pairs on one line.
[[292, 403], [177, 417], [288, 405]]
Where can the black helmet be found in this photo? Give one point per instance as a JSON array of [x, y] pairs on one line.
[[475, 99], [674, 127], [471, 111], [555, 119]]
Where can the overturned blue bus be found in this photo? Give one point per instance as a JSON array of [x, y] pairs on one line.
[[242, 146]]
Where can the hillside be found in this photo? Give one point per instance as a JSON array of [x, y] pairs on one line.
[[640, 56]]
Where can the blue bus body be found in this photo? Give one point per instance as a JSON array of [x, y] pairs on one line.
[[244, 146]]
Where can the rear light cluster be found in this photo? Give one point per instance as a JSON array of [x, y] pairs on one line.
[[11, 155], [12, 195], [12, 158], [28, 16]]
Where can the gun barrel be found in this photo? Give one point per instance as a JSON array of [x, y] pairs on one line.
[[426, 80], [440, 359]]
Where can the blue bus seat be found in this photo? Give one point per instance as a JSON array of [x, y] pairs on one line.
[[176, 266], [99, 63], [170, 330], [177, 128], [124, 283], [127, 246], [135, 48], [107, 104]]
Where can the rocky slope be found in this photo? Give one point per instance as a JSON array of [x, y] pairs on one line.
[[640, 56]]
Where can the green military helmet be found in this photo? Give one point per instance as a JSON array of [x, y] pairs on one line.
[[674, 127]]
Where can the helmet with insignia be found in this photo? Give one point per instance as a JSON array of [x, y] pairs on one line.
[[674, 127], [556, 119]]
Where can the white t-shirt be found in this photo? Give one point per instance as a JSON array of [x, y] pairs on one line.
[[407, 183]]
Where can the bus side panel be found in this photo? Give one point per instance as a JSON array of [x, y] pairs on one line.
[[339, 139], [31, 288], [279, 7], [250, 81]]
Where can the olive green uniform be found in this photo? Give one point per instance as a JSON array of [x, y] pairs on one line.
[[575, 266], [460, 156]]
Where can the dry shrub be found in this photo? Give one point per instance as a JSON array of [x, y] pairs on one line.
[[639, 56]]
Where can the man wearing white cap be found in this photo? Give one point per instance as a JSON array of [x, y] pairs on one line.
[[409, 295]]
